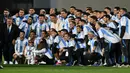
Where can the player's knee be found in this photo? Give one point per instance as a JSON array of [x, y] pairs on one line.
[[15, 56]]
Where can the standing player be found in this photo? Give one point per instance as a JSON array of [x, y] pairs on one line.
[[27, 27], [109, 43], [40, 26], [124, 32]]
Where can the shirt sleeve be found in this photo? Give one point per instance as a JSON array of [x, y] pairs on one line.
[[56, 40], [85, 30], [47, 27], [100, 34], [16, 45], [72, 43], [123, 21], [22, 26]]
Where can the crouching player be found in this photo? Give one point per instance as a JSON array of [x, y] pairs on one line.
[[20, 45], [94, 52], [67, 45], [43, 53]]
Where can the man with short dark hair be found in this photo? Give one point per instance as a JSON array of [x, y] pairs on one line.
[[20, 17], [55, 23], [115, 16], [5, 15], [41, 25], [72, 10], [31, 13], [109, 23], [64, 19], [108, 10], [79, 13], [89, 9]]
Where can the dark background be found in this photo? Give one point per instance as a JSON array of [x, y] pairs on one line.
[[14, 5]]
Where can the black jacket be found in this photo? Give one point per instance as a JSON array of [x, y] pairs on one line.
[[9, 37], [1, 34]]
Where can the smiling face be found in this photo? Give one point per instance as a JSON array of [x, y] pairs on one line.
[[122, 12], [63, 14], [53, 19], [29, 21], [72, 10], [79, 29], [72, 24], [52, 32], [66, 37], [78, 14], [91, 20], [105, 19], [115, 11], [52, 11], [41, 19], [32, 35], [22, 34]]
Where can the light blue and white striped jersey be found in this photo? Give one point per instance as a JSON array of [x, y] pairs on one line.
[[111, 25], [35, 17], [101, 20], [74, 30], [65, 23], [71, 15], [124, 21], [91, 42], [115, 18], [18, 21], [79, 44], [69, 43], [48, 17], [29, 51], [26, 28], [19, 45], [37, 41], [108, 36], [57, 40], [14, 18], [40, 27], [50, 41], [88, 28]]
